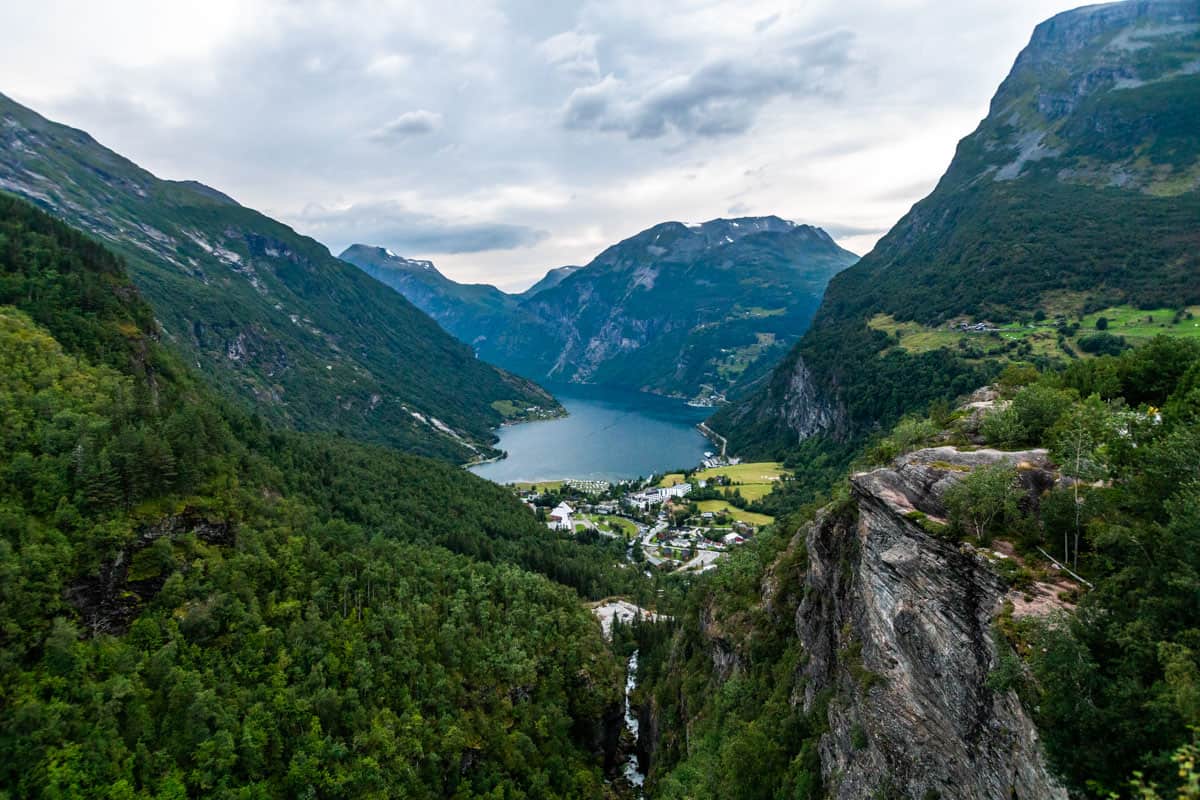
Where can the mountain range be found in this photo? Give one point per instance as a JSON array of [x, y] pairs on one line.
[[1078, 193], [690, 310], [265, 312]]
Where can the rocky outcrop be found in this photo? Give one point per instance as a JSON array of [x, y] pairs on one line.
[[111, 599], [792, 407], [896, 626], [804, 410]]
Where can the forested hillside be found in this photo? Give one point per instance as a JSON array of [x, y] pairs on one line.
[[1076, 199], [193, 603], [266, 314]]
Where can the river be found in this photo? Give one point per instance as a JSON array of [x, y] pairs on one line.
[[608, 434]]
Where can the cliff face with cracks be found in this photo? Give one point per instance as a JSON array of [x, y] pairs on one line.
[[897, 623], [895, 626]]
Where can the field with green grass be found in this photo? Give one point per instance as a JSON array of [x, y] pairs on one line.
[[613, 524], [1045, 337], [1136, 323], [671, 479], [752, 472], [717, 506], [543, 486], [753, 480]]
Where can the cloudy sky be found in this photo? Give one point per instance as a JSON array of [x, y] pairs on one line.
[[503, 137]]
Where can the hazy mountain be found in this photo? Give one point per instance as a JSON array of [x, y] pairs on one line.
[[689, 310], [1078, 192], [263, 311], [469, 311]]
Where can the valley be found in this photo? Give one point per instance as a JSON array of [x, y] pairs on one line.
[[721, 511]]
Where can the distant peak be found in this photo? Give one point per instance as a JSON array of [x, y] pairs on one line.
[[383, 257], [728, 230]]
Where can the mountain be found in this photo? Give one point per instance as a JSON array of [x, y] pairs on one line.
[[686, 310], [264, 312], [1075, 199], [468, 311], [261, 612], [551, 279]]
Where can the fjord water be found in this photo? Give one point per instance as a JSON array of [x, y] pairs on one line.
[[608, 434]]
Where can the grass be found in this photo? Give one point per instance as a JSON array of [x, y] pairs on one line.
[[752, 472], [506, 408], [620, 525], [736, 360], [754, 480], [717, 506], [543, 486], [1135, 324], [671, 479]]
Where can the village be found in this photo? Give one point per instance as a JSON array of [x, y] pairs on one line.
[[676, 522]]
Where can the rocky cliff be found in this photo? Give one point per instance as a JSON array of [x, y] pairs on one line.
[[897, 623], [892, 625]]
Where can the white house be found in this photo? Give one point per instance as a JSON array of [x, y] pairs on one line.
[[561, 518], [678, 490]]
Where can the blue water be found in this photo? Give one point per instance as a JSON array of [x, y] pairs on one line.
[[608, 435]]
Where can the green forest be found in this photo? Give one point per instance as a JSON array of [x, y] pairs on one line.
[[194, 603]]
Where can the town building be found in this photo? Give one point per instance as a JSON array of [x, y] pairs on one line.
[[561, 518]]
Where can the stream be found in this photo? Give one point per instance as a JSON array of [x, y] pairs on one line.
[[632, 773]]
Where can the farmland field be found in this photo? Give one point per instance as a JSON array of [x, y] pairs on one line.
[[1135, 325], [717, 506]]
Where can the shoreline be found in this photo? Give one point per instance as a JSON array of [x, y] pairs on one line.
[[714, 437]]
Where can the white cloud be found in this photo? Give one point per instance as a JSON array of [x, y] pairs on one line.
[[407, 125], [572, 52]]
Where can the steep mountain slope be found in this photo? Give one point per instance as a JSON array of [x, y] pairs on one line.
[[468, 311], [1080, 191], [689, 310], [263, 311], [853, 662], [195, 604]]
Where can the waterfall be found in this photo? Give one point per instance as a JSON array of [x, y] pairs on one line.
[[632, 773]]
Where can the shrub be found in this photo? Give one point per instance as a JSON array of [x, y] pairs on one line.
[[1103, 344], [982, 501], [1002, 428]]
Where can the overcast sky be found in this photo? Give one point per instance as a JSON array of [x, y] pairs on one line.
[[501, 138]]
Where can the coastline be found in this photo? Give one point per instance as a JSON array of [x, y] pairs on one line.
[[714, 437]]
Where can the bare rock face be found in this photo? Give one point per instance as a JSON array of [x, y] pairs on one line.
[[896, 624], [804, 411], [110, 600], [792, 403]]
